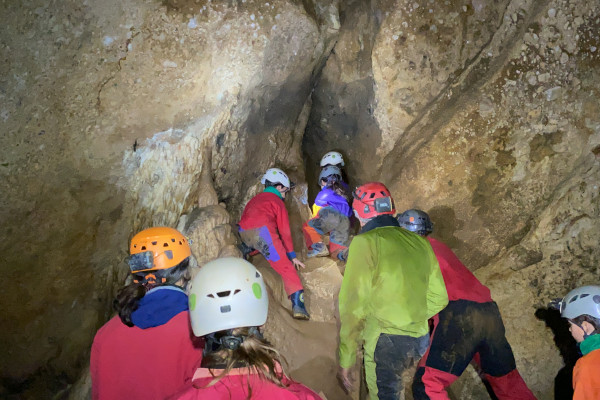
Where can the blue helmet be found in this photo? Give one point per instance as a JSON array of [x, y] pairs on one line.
[[416, 221], [330, 173]]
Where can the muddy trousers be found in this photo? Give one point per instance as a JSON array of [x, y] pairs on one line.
[[269, 244], [386, 356], [328, 221], [462, 332]]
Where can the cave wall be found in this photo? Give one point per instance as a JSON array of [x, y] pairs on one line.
[[484, 116], [118, 115], [110, 112]]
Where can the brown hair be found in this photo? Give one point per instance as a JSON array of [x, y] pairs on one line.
[[254, 353], [128, 297], [595, 322]]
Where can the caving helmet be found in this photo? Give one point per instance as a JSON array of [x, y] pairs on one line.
[[330, 173], [157, 248], [227, 293], [371, 200], [275, 175], [416, 221], [581, 301], [332, 158]]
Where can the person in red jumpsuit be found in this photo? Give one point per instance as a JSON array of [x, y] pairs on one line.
[[148, 351], [228, 304], [265, 227], [469, 328]]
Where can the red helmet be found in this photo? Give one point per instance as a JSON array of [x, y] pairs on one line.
[[372, 199]]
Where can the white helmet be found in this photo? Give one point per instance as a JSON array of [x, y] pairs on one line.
[[580, 301], [227, 293], [332, 158], [275, 175]]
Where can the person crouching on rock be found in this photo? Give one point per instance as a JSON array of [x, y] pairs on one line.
[[265, 226], [148, 351], [228, 304], [331, 215]]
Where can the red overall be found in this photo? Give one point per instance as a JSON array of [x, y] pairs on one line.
[[469, 328], [133, 363], [234, 386], [266, 214]]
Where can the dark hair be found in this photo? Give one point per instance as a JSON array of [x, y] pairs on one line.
[[254, 353], [128, 297], [337, 186], [595, 322]]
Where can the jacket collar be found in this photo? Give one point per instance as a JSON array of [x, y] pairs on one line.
[[379, 222], [272, 189]]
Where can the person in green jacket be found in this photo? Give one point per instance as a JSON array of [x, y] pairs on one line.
[[392, 285]]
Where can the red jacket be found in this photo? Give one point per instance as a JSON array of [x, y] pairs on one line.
[[133, 363], [268, 209], [461, 284], [234, 386]]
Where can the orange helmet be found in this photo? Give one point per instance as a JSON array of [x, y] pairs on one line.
[[157, 248], [372, 199]]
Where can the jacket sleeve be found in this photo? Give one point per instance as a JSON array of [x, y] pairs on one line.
[[354, 297], [283, 226], [585, 380], [437, 296]]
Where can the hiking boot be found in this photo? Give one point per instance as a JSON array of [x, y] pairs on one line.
[[298, 309], [318, 250]]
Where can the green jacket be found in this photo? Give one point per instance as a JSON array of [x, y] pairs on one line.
[[392, 284]]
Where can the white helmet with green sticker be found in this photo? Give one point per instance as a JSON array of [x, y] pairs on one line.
[[227, 293], [275, 175]]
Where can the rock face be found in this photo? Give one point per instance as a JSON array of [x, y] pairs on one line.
[[119, 115]]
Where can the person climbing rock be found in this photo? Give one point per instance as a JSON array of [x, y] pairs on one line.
[[391, 286], [581, 307], [470, 327], [265, 226], [228, 304], [147, 351], [331, 215]]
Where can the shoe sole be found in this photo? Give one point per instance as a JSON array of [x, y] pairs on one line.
[[302, 317]]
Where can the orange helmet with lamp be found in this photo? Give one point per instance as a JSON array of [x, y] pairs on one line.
[[157, 248]]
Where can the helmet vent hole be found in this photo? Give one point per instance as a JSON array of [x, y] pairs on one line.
[[372, 195], [169, 254], [382, 193], [180, 242], [237, 291], [257, 275], [212, 296], [173, 240], [165, 244], [154, 243], [581, 296], [225, 293], [143, 248], [573, 299], [596, 299]]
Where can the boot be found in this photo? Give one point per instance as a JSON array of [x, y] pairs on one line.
[[318, 250], [343, 255], [298, 309]]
